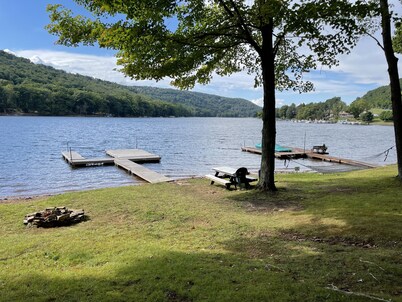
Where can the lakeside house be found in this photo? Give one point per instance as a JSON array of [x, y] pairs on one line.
[[345, 115]]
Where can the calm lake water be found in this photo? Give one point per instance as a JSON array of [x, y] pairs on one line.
[[31, 162]]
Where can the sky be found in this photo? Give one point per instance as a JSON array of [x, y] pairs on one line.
[[23, 33]]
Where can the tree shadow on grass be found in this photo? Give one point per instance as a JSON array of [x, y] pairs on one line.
[[281, 271], [357, 273], [283, 199], [168, 276], [350, 233], [363, 210]]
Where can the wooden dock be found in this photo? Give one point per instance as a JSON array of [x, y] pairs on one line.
[[140, 171], [76, 160], [332, 159], [294, 154], [301, 153], [137, 155], [123, 158]]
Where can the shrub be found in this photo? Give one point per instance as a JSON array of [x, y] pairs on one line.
[[386, 116], [367, 117]]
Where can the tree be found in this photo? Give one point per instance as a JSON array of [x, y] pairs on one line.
[[335, 106], [218, 36], [357, 107], [367, 117], [282, 111], [382, 9], [393, 73], [291, 112], [3, 100]]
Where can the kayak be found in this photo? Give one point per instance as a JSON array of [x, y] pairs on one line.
[[278, 148]]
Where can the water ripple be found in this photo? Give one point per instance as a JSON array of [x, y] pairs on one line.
[[31, 162]]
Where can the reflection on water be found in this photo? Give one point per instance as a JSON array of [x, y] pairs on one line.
[[31, 162]]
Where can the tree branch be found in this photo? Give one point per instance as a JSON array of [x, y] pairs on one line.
[[205, 45], [240, 18], [226, 8], [375, 39], [278, 43], [334, 288], [242, 26]]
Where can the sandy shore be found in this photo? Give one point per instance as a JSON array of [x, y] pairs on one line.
[[19, 199]]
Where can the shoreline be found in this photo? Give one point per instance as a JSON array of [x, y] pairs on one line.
[[13, 199]]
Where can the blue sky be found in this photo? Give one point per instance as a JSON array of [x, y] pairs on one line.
[[22, 32]]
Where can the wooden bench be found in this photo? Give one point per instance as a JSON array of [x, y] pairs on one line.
[[217, 179], [320, 149]]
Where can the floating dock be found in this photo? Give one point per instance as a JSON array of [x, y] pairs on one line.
[[76, 160], [301, 153], [124, 158], [137, 155]]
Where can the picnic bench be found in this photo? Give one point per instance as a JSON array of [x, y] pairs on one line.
[[320, 149], [229, 176]]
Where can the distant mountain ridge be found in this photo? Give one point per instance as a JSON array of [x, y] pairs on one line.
[[31, 88]]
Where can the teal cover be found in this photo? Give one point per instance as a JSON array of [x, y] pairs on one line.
[[278, 148]]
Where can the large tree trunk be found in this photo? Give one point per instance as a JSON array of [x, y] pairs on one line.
[[267, 181], [394, 80]]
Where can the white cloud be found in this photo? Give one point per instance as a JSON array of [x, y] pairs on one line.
[[258, 102], [104, 67], [280, 102], [9, 51], [100, 67], [37, 60], [362, 70], [366, 63]]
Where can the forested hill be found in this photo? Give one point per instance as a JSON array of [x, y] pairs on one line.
[[379, 97], [38, 89], [204, 104]]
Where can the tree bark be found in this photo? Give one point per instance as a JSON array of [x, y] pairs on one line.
[[267, 181], [392, 62]]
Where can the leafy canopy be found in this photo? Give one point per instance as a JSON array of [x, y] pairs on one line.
[[189, 41]]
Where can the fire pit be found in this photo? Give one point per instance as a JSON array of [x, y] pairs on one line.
[[53, 217]]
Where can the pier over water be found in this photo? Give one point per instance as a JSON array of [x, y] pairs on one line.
[[126, 159]]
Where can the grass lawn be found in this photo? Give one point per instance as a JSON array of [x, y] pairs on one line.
[[319, 238]]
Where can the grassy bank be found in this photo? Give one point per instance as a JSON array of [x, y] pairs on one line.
[[320, 238]]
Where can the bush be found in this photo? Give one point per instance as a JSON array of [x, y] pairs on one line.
[[386, 116]]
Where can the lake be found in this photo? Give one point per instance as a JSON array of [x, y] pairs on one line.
[[31, 162]]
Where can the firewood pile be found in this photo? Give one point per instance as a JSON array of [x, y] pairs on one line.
[[52, 217]]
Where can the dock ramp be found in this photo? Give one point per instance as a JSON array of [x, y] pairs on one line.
[[140, 171]]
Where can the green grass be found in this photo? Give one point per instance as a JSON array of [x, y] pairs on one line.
[[190, 241]]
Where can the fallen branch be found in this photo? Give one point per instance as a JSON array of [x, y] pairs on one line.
[[334, 288], [373, 276], [369, 262]]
